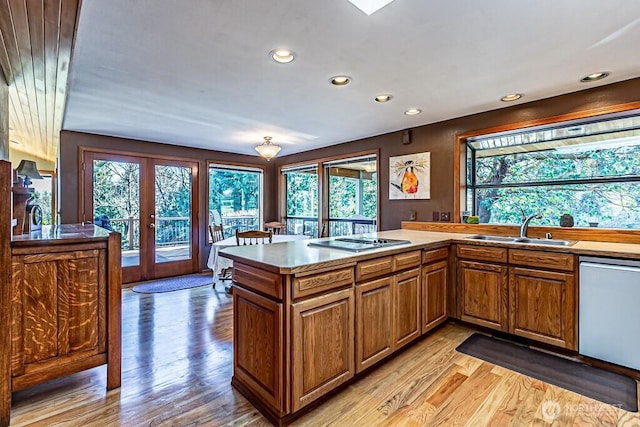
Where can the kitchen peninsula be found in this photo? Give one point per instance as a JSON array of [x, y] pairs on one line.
[[308, 320]]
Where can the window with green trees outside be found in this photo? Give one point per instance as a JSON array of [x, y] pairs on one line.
[[589, 170]]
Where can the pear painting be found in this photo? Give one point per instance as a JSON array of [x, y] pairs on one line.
[[409, 176]]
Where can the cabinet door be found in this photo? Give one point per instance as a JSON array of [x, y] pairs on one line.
[[258, 345], [322, 329], [543, 306], [483, 290], [59, 309], [374, 314], [434, 295], [406, 306]]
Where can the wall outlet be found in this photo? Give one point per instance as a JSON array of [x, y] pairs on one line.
[[436, 216], [445, 216]]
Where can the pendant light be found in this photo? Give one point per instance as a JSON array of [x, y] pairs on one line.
[[267, 149]]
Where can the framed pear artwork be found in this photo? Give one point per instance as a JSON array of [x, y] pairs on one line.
[[410, 177]]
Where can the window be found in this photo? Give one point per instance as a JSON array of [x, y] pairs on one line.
[[353, 195], [302, 199], [235, 198], [333, 197], [43, 195], [590, 170]]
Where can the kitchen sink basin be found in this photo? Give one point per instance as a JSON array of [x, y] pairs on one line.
[[523, 240], [550, 242], [493, 238], [358, 244]]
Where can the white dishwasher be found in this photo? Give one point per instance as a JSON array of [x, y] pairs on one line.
[[609, 312]]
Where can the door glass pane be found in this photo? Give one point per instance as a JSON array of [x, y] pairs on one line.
[[116, 204], [235, 199], [173, 213], [302, 201]]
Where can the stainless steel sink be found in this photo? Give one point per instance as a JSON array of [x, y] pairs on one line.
[[523, 240], [550, 242], [493, 238]]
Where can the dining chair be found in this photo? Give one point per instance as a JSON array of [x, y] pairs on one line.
[[217, 234], [276, 227], [253, 237]]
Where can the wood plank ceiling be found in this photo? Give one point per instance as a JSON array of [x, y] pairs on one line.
[[36, 40]]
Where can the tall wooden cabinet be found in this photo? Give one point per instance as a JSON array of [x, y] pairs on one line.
[[65, 304]]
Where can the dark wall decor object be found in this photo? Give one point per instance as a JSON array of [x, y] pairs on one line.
[[566, 220], [406, 136]]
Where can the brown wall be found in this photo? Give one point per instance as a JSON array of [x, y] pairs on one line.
[[68, 172], [4, 119], [439, 139]]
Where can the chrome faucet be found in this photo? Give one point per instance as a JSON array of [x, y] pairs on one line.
[[525, 223]]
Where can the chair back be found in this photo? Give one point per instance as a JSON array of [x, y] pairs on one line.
[[275, 227], [253, 237], [216, 232]]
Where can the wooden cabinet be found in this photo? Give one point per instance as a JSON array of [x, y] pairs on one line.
[[434, 283], [65, 305], [322, 329], [530, 293], [58, 310], [406, 307], [374, 322], [434, 295], [388, 309], [483, 294], [543, 303], [258, 339]]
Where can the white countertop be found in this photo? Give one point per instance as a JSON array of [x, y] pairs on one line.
[[297, 256]]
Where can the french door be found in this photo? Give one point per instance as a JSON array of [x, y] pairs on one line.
[[151, 202]]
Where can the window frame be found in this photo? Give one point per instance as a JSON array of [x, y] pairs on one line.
[[240, 167], [323, 185], [461, 143]]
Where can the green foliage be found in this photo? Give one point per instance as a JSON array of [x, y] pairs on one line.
[[302, 194], [611, 204]]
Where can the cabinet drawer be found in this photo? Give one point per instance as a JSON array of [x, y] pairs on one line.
[[374, 268], [407, 260], [320, 282], [258, 280], [434, 255], [541, 259], [482, 253]]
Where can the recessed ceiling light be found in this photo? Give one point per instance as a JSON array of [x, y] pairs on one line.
[[511, 97], [413, 111], [594, 77], [383, 98], [282, 56], [340, 80]]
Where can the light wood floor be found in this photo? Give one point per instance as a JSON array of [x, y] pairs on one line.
[[177, 368]]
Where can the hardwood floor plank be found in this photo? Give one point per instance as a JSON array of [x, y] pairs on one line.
[[177, 367], [459, 407]]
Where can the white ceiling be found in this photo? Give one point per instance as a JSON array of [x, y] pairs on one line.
[[198, 73]]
